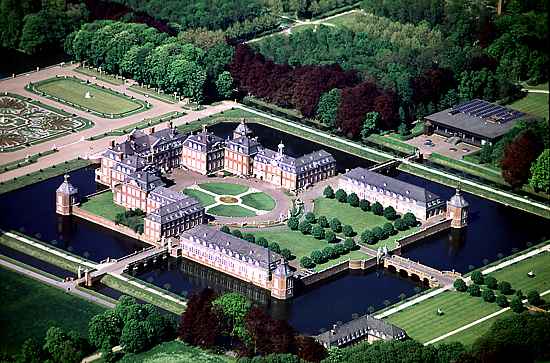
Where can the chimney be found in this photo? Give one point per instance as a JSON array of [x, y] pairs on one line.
[[112, 144], [203, 127], [152, 130], [170, 124]]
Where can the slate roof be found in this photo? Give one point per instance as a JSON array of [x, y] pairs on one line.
[[204, 140], [224, 241], [348, 332], [244, 145], [458, 200], [164, 195], [139, 142], [471, 117], [146, 180], [66, 187], [295, 165], [242, 129], [175, 210], [365, 176]]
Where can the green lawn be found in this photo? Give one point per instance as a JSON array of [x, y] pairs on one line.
[[224, 188], [422, 323], [516, 274], [259, 200], [101, 76], [30, 307], [534, 103], [302, 245], [103, 205], [102, 101], [346, 20], [175, 351], [470, 335], [356, 218], [203, 198], [231, 211]]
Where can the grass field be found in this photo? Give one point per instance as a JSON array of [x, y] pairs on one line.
[[105, 77], [224, 188], [203, 198], [103, 205], [356, 218], [230, 211], [534, 103], [259, 200], [469, 336], [302, 245], [346, 20], [422, 323], [29, 308], [175, 351], [73, 91], [517, 274]]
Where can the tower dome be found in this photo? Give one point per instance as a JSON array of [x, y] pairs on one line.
[[66, 196], [458, 200], [241, 130]]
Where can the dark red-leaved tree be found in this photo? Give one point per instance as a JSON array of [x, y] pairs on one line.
[[518, 156], [269, 335], [355, 103], [309, 349], [200, 325], [431, 85]]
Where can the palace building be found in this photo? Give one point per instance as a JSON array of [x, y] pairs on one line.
[[402, 196], [203, 152], [239, 155], [365, 327], [236, 257]]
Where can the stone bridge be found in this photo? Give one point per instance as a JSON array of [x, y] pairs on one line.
[[390, 164], [118, 266], [417, 271]]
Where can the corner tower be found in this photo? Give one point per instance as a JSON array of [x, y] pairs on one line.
[[282, 284], [457, 210], [66, 196]]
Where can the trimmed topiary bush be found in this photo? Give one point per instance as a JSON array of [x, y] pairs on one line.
[[364, 205], [377, 209], [336, 225], [389, 213], [237, 233], [460, 285], [323, 221], [293, 223], [379, 233], [349, 244], [285, 252], [318, 232], [305, 227], [502, 301], [330, 236], [274, 246], [310, 217], [474, 290], [505, 287], [490, 282], [400, 224], [249, 237], [341, 196], [367, 237], [261, 241], [410, 219], [348, 231], [477, 278], [307, 262], [488, 295], [317, 257], [328, 192], [225, 229], [388, 229], [353, 200]]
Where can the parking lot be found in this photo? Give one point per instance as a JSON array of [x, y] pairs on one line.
[[438, 144]]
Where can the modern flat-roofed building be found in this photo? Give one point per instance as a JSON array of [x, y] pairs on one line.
[[236, 257], [475, 122], [365, 327], [388, 191], [203, 152], [293, 173]]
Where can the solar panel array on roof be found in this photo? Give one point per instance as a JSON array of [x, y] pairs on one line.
[[486, 110]]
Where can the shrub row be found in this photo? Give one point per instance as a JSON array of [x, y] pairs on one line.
[[261, 241], [328, 253]]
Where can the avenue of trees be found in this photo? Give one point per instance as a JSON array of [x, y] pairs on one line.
[[192, 66]]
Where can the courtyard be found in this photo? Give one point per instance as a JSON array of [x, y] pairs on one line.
[[429, 144], [88, 96], [24, 122]]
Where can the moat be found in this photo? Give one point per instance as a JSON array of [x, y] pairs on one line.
[[312, 309]]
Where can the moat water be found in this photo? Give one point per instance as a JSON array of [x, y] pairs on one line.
[[494, 231]]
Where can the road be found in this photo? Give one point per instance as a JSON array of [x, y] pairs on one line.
[[69, 287]]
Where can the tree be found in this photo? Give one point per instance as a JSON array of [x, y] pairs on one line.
[[261, 241], [310, 217], [348, 230], [249, 237], [63, 347], [379, 233], [318, 232], [516, 305], [490, 282], [336, 225], [305, 227], [488, 295], [353, 200], [377, 208], [460, 285], [370, 125], [327, 109], [224, 85], [293, 223], [134, 336], [364, 205], [400, 224], [31, 352], [201, 324], [349, 244], [341, 195], [234, 307], [237, 233], [502, 301], [105, 329], [485, 155], [474, 290], [533, 297], [504, 287], [390, 213], [187, 77], [307, 262], [368, 237], [477, 278], [410, 219], [518, 157], [267, 334], [274, 246], [225, 229], [328, 192], [285, 252], [330, 236], [402, 129], [388, 229], [317, 257], [323, 221], [329, 253], [540, 172], [309, 349]]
